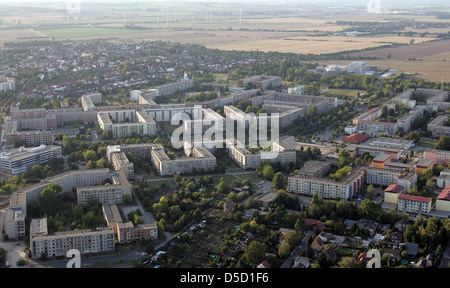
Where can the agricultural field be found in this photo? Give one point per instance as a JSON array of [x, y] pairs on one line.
[[86, 32], [427, 60], [315, 44]]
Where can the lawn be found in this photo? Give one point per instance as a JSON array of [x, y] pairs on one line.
[[252, 176], [157, 182], [424, 143], [227, 178], [342, 93]]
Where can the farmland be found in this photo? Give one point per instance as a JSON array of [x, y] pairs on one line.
[[282, 27]]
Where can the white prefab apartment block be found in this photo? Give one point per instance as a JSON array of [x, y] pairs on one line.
[[344, 189], [85, 241]]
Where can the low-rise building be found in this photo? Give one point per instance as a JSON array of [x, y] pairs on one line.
[[392, 192], [443, 200], [355, 138], [414, 204], [395, 143], [424, 164]]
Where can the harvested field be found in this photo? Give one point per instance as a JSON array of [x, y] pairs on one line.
[[417, 51], [20, 35], [313, 44]]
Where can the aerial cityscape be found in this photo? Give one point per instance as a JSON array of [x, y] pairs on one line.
[[222, 134]]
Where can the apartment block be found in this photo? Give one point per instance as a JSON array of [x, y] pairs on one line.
[[7, 84], [370, 115], [105, 194], [386, 177], [262, 82], [88, 101], [437, 126], [407, 120], [175, 87], [414, 204], [441, 157], [14, 223], [85, 241], [344, 189], [201, 159], [120, 162], [126, 232], [145, 125], [443, 179]]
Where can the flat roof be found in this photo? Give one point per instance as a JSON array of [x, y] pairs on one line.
[[382, 157], [313, 166]]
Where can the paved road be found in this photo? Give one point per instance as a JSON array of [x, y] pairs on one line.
[[297, 252], [445, 262]]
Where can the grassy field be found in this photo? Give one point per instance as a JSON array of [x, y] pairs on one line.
[[342, 93]]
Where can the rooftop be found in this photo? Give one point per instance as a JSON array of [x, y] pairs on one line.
[[394, 188], [355, 138], [414, 198]]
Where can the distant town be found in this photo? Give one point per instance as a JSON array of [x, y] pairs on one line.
[[361, 161]]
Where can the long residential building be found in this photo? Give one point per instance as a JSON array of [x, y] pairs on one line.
[[438, 126], [143, 124], [58, 244], [282, 152], [440, 157], [370, 115], [344, 189], [201, 160], [262, 82], [16, 212], [23, 159]]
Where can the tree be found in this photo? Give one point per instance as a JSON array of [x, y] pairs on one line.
[[370, 209], [443, 143], [279, 181], [90, 155], [49, 198], [350, 262], [254, 252], [268, 172], [223, 188], [36, 171], [284, 250]]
